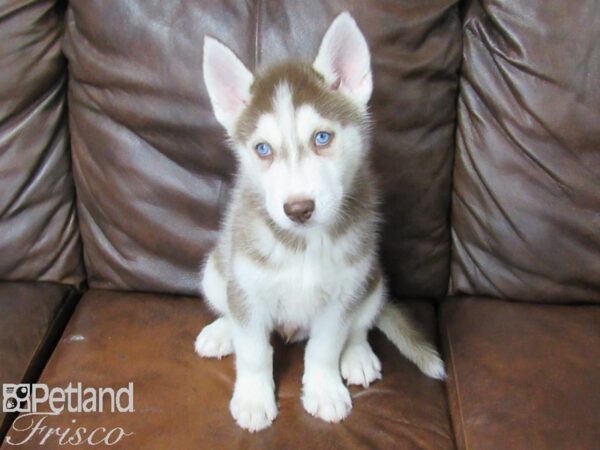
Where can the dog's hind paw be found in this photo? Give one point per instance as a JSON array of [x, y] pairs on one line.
[[215, 341]]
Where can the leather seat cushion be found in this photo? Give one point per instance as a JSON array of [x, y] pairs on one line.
[[182, 400], [523, 376], [29, 314]]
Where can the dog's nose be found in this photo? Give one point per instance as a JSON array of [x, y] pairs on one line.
[[299, 210]]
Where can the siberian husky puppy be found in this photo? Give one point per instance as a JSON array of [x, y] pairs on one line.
[[298, 247]]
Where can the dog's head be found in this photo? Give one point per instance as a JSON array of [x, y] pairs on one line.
[[300, 131]]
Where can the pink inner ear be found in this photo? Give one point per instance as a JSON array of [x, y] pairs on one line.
[[232, 100], [231, 82], [347, 61], [348, 55]]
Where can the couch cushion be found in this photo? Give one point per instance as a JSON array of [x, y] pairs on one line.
[[150, 159], [39, 237], [181, 400], [526, 199], [30, 316], [523, 376]]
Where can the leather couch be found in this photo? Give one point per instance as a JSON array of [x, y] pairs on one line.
[[114, 175]]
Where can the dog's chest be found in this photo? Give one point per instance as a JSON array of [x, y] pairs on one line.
[[297, 284]]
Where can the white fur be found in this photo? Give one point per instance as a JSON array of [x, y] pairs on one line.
[[316, 291], [359, 365], [309, 176], [293, 293], [215, 288], [214, 341], [253, 404], [323, 393]]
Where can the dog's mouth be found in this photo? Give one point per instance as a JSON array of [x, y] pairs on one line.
[[300, 226], [297, 226]]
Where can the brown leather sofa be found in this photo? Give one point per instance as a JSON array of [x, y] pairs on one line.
[[114, 175]]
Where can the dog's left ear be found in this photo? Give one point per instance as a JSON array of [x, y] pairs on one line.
[[344, 59]]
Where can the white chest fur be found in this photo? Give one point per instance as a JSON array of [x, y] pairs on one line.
[[294, 285]]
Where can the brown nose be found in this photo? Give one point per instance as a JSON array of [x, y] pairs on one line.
[[299, 210]]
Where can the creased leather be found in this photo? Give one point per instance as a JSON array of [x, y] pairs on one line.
[[522, 375], [151, 167], [39, 236], [526, 200]]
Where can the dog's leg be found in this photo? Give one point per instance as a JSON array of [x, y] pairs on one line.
[[214, 286], [215, 341], [253, 403], [324, 395], [359, 364]]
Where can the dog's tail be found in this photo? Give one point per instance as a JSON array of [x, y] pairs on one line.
[[395, 324]]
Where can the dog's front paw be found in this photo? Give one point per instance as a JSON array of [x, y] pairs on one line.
[[214, 341], [359, 365], [253, 404], [326, 397]]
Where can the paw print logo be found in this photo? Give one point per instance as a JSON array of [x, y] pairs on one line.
[[16, 398]]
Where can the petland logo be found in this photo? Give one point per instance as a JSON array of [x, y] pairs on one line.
[[37, 402]]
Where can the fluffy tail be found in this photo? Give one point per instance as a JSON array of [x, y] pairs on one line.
[[397, 327]]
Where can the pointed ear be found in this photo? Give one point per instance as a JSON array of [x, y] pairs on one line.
[[344, 59], [227, 81]]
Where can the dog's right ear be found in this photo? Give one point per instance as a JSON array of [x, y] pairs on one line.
[[227, 80]]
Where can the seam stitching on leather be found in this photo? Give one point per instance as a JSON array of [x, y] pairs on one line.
[[257, 35], [458, 402]]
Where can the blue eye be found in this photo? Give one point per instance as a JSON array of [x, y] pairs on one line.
[[263, 150], [322, 138]]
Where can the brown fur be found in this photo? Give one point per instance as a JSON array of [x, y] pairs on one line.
[[373, 279], [218, 260], [307, 86], [236, 302], [359, 204]]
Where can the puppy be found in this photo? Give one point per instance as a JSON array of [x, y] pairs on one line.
[[298, 247]]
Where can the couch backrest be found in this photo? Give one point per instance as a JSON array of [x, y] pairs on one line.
[[526, 200], [151, 167], [39, 238]]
